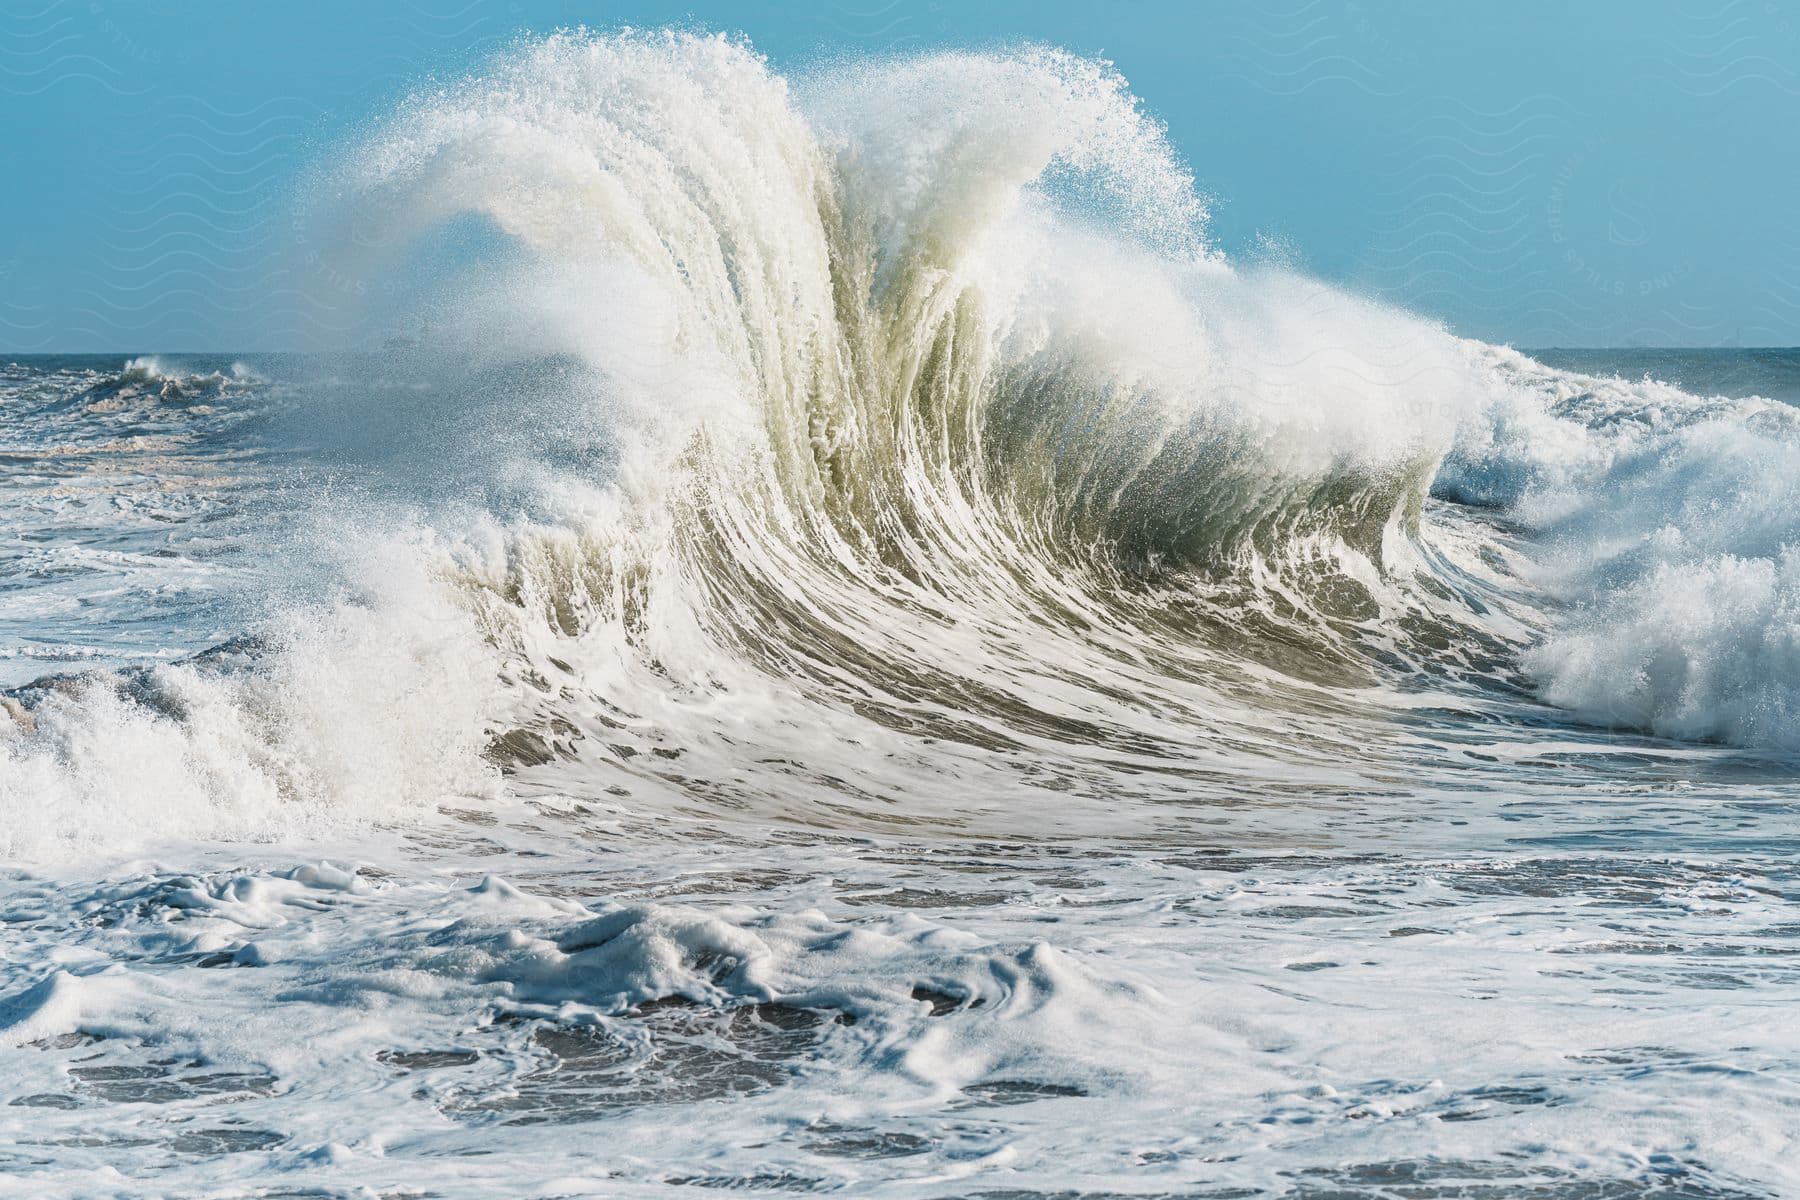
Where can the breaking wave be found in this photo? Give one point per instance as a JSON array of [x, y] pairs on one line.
[[889, 448]]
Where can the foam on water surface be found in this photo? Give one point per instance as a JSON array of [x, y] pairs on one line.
[[917, 1018]]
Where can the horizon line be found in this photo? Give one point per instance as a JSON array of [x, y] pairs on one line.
[[13, 355]]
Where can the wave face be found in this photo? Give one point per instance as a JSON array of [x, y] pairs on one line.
[[890, 449], [946, 449]]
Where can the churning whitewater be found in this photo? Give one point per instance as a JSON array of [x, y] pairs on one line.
[[846, 628]]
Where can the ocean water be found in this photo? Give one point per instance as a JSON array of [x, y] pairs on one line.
[[842, 648]]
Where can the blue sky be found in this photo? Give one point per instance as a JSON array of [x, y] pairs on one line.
[[1542, 174]]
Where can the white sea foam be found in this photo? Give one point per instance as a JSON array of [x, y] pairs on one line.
[[1229, 1021], [1668, 525], [355, 710]]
